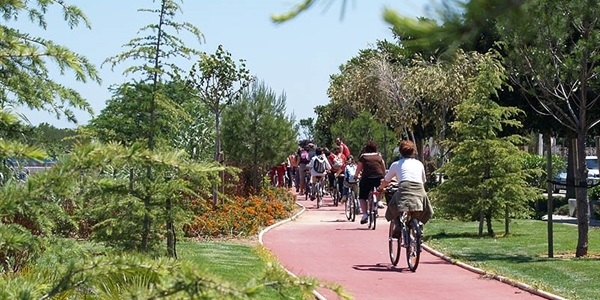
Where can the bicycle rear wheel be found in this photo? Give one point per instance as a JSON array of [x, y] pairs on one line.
[[352, 200], [336, 195], [348, 209], [307, 186], [372, 211], [317, 191], [413, 244], [394, 242]]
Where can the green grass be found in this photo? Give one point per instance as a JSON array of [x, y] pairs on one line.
[[523, 255], [237, 263]]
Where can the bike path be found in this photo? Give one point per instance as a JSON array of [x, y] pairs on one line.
[[322, 244]]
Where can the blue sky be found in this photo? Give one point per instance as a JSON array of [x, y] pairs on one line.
[[295, 58]]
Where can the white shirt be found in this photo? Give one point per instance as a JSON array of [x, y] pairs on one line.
[[312, 163], [406, 169]]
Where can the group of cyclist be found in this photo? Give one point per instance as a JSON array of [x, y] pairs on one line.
[[367, 173]]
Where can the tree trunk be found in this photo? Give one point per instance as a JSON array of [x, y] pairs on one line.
[[549, 188], [215, 187], [488, 221], [583, 208], [171, 239], [480, 233], [506, 220]]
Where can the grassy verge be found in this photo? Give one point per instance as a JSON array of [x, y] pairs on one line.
[[238, 263], [523, 255]]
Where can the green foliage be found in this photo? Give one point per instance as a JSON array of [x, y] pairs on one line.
[[217, 81], [257, 134], [363, 128], [535, 165], [53, 140], [25, 59], [112, 189], [485, 174]]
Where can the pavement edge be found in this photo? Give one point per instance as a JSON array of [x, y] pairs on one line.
[[520, 285], [318, 296]]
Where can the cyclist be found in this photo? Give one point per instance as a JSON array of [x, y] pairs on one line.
[[319, 166], [343, 147], [370, 169], [337, 160], [303, 161], [411, 195], [294, 162], [350, 182]]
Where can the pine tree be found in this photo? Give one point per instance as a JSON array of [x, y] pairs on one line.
[[485, 175]]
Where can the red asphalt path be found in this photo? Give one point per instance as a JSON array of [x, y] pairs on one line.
[[322, 244]]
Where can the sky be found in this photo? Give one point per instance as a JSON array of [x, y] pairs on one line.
[[295, 58]]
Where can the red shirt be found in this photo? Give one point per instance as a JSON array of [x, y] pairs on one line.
[[344, 149]]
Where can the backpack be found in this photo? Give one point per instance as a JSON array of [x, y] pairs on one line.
[[304, 157], [349, 172], [337, 162], [319, 165]]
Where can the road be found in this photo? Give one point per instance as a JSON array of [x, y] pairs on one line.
[[322, 244]]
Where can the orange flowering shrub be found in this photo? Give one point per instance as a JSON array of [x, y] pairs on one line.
[[241, 216]]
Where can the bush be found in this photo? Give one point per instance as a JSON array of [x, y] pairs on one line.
[[239, 216], [540, 205], [562, 211]]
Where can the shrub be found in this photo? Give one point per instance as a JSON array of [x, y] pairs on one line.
[[562, 210], [239, 216]]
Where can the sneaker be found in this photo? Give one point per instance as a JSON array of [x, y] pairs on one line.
[[344, 198], [312, 198], [364, 219], [380, 204], [321, 203]]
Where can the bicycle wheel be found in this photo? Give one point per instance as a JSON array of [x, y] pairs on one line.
[[336, 195], [307, 187], [413, 244], [352, 200], [372, 211], [394, 242], [348, 209], [318, 193]]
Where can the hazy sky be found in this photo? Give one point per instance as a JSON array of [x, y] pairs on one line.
[[296, 57]]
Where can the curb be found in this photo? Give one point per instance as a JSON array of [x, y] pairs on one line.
[[522, 286], [318, 296]]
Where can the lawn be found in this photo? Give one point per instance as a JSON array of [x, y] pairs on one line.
[[238, 262], [523, 255]]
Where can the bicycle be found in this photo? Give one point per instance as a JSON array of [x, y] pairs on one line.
[[317, 190], [405, 231], [335, 192], [372, 208], [307, 185], [351, 202]]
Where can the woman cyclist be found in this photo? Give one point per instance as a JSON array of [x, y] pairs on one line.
[[370, 169], [410, 174]]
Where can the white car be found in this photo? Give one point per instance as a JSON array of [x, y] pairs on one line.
[[593, 174]]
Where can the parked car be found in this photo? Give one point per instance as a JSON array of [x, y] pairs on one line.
[[593, 177], [560, 182]]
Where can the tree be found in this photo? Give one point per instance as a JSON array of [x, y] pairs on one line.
[[256, 132], [485, 175], [217, 81], [156, 52], [27, 80], [555, 61]]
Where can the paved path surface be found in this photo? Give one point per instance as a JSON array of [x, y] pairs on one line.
[[321, 243]]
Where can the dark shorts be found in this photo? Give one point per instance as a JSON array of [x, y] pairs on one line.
[[366, 185]]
